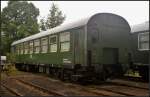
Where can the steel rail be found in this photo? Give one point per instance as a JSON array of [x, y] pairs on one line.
[[40, 88], [11, 90]]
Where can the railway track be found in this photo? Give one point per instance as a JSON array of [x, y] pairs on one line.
[[135, 79], [120, 87], [61, 87], [25, 88], [99, 92], [109, 89], [121, 82], [54, 93], [45, 86], [123, 89], [6, 91]]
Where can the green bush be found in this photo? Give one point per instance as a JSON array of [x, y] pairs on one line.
[[10, 57], [11, 70]]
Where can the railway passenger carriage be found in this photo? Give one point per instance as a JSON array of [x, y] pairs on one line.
[[140, 49], [94, 47]]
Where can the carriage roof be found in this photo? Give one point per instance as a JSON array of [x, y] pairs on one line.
[[63, 27], [57, 29], [140, 27]]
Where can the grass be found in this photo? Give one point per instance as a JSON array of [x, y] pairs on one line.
[[132, 73], [10, 70]]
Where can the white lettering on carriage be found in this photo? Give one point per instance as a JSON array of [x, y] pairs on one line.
[[66, 61]]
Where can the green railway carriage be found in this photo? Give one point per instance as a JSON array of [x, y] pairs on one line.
[[140, 49], [97, 46]]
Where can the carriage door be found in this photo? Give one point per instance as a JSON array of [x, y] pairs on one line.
[[94, 45], [78, 45], [110, 55]]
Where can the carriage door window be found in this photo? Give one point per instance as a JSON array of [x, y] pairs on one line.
[[143, 41], [53, 43], [37, 46], [65, 41], [31, 47], [44, 46]]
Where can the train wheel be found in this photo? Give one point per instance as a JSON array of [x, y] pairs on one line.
[[63, 75], [23, 67], [50, 71], [144, 72], [104, 75], [55, 72], [58, 74], [27, 68], [37, 68], [47, 70], [17, 66], [69, 74], [74, 78], [41, 69]]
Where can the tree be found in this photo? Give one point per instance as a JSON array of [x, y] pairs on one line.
[[55, 17], [18, 20], [42, 24]]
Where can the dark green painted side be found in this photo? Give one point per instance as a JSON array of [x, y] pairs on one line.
[[79, 36], [75, 55], [109, 32], [104, 31], [138, 56]]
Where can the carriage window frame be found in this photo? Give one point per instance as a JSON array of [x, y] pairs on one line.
[[64, 39], [26, 47], [44, 45], [13, 49], [37, 47], [17, 49], [52, 44], [31, 47], [21, 48], [140, 42]]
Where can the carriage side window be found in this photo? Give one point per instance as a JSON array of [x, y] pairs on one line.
[[37, 46], [44, 47], [26, 48], [65, 41], [31, 47], [13, 49], [17, 49], [53, 43], [143, 41], [21, 48]]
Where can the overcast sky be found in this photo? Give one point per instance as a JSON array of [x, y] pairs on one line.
[[134, 12]]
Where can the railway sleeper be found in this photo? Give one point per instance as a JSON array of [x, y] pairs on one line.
[[76, 74]]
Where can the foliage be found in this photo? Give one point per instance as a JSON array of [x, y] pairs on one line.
[[55, 17], [42, 24], [10, 57], [18, 20], [10, 70]]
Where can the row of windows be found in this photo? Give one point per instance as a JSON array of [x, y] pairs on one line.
[[41, 45], [143, 41]]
